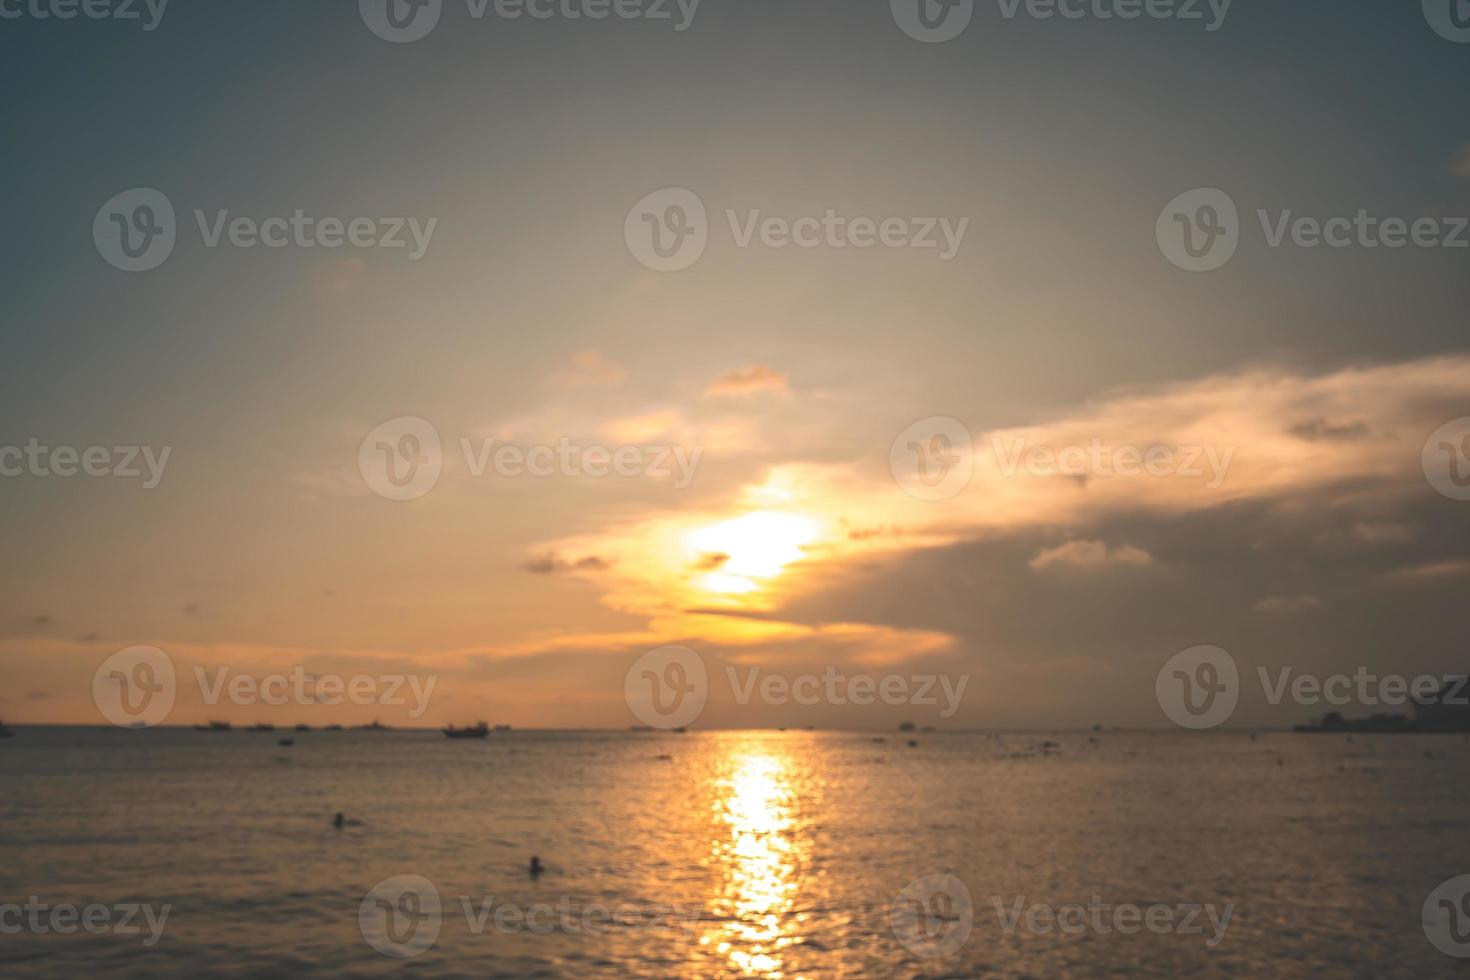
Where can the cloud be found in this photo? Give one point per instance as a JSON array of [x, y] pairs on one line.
[[644, 427], [1369, 532], [1319, 429], [553, 564], [1090, 554], [748, 381], [589, 368], [1349, 474], [1286, 605], [1431, 570]]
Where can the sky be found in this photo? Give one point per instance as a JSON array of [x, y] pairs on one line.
[[777, 400]]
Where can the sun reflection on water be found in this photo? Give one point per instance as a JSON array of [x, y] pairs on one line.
[[757, 855]]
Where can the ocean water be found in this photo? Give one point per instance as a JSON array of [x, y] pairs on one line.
[[730, 854]]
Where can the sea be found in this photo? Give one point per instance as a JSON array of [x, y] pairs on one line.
[[782, 854]]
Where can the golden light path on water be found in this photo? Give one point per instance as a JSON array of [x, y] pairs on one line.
[[757, 856]]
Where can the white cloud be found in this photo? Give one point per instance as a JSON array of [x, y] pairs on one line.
[[1090, 554]]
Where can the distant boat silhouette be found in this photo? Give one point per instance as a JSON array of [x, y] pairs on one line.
[[502, 728], [303, 728], [263, 726], [214, 726], [334, 728], [1443, 711], [475, 731], [376, 726], [287, 742]]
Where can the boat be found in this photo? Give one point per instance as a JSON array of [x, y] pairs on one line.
[[472, 731], [214, 726], [286, 742], [1443, 711], [263, 726], [303, 728], [333, 728], [376, 726], [502, 728]]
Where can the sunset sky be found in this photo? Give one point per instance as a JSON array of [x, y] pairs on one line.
[[786, 373]]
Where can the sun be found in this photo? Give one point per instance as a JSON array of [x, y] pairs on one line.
[[738, 554]]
